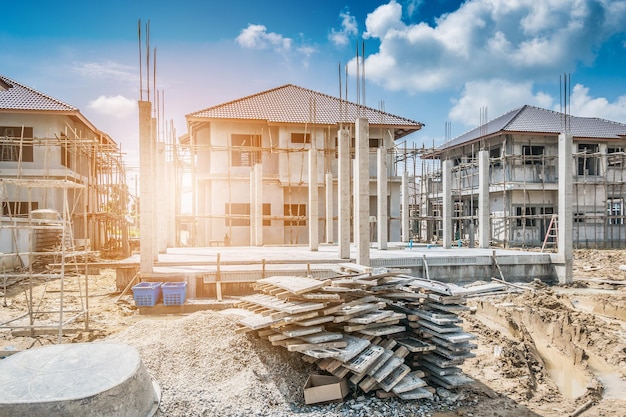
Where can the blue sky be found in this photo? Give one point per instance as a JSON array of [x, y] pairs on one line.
[[434, 61]]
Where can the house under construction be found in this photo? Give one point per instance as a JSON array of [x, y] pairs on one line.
[[522, 169], [265, 168], [62, 185]]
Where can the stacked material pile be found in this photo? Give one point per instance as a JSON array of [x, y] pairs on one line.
[[383, 330]]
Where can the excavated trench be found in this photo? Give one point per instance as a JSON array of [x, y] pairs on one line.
[[576, 340]]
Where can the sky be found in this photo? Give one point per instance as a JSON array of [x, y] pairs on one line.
[[438, 62]]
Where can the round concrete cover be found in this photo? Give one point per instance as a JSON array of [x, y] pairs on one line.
[[84, 379]]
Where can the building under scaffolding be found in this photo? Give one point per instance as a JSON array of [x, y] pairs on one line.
[[63, 192], [523, 181], [254, 161]]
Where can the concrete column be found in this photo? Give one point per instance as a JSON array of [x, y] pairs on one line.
[[160, 197], [146, 197], [258, 204], [447, 203], [314, 237], [405, 206], [251, 228], [564, 258], [329, 208], [343, 189], [156, 220], [484, 228], [381, 189], [362, 192]]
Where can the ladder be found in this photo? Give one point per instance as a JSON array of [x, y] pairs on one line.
[[552, 234]]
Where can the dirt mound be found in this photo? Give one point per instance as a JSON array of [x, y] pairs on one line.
[[205, 368]]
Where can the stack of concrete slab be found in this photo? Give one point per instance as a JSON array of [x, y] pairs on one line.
[[386, 332]]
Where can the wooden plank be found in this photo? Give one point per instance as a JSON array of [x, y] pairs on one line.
[[382, 331], [459, 337], [256, 322], [359, 327], [365, 359], [372, 317], [322, 337], [415, 345], [433, 369], [298, 346], [394, 377], [440, 329], [294, 284], [314, 321], [296, 331], [388, 367], [410, 382]]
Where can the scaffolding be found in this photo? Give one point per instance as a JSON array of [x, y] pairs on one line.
[[524, 195], [63, 196]]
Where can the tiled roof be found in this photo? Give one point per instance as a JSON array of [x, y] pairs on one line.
[[530, 119], [293, 104], [16, 96]]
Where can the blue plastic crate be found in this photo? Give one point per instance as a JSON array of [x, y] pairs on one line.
[[174, 293], [146, 294]]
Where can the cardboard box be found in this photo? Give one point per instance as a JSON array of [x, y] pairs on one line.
[[323, 388]]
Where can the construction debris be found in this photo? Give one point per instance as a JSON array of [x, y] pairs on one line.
[[386, 332]]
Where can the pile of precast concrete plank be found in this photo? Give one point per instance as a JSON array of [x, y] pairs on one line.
[[384, 330]]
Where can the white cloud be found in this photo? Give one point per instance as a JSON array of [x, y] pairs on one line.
[[349, 28], [480, 94], [413, 6], [523, 40], [257, 37], [584, 105], [384, 20], [117, 106]]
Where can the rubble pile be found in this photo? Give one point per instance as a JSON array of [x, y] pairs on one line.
[[387, 332]]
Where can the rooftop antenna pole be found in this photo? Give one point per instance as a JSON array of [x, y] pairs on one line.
[[363, 71], [148, 56], [140, 66], [154, 64], [358, 78], [340, 98]]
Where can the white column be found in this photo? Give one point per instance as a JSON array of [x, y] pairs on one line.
[[313, 201], [258, 204], [161, 202], [381, 221], [343, 189], [405, 206], [361, 192], [329, 208], [146, 189], [564, 259], [252, 226], [447, 203], [484, 228]]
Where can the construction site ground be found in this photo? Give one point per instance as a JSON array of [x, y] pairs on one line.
[[550, 351]]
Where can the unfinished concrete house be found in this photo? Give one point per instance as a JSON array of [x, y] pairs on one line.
[[251, 160], [56, 168], [522, 169]]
